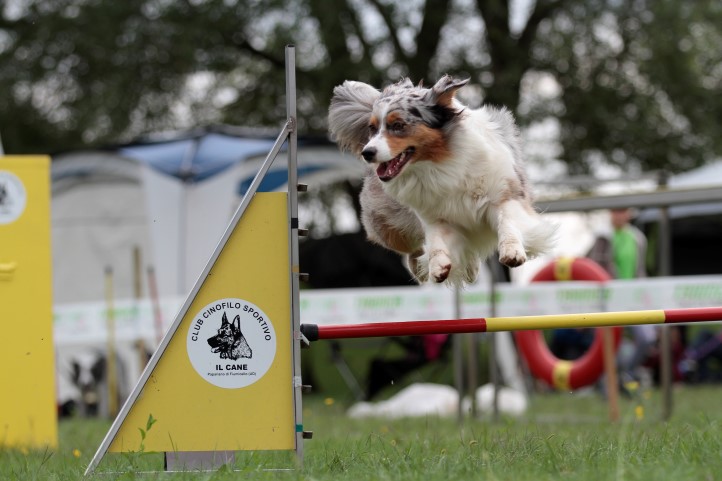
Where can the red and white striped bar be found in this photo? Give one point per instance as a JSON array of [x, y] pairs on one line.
[[315, 332]]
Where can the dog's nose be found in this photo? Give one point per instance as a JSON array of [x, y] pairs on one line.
[[369, 154]]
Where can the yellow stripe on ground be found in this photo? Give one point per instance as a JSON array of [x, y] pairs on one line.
[[561, 373], [596, 319], [563, 268]]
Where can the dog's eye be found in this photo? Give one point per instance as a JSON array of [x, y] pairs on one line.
[[397, 126], [373, 129]]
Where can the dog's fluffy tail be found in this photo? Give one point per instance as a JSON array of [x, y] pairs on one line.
[[540, 239]]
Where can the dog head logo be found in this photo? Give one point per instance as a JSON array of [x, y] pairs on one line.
[[12, 197], [229, 341]]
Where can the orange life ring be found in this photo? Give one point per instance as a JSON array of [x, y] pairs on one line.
[[543, 364]]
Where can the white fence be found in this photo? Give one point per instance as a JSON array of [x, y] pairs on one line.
[[80, 329]]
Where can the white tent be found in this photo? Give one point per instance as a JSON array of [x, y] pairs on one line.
[[98, 217], [709, 175], [168, 199]]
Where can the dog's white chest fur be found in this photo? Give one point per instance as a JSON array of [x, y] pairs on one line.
[[461, 189], [438, 193]]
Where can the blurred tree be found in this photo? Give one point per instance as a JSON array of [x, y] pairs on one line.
[[635, 83], [641, 82]]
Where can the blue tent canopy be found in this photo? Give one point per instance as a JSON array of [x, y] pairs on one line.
[[196, 156], [275, 179]]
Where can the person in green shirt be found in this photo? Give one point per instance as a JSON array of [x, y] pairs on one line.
[[622, 251]]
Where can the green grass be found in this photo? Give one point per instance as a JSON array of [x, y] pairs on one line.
[[562, 437]]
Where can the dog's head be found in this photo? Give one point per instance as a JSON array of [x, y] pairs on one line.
[[228, 335], [391, 129]]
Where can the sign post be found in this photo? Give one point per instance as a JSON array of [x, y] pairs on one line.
[[28, 414]]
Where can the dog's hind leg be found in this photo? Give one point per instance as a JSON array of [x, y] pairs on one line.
[[393, 226], [418, 264], [472, 270]]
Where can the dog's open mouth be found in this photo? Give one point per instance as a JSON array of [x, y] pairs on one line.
[[390, 169]]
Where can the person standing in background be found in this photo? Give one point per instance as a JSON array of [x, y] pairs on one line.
[[622, 253]]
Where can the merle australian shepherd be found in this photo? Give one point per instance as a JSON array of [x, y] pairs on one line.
[[446, 184]]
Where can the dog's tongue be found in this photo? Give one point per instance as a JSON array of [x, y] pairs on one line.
[[382, 171], [389, 170]]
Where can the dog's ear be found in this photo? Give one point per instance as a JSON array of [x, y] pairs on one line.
[[443, 91], [404, 83], [350, 113], [237, 324], [224, 319]]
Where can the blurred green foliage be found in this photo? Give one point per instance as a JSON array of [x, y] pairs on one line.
[[634, 83]]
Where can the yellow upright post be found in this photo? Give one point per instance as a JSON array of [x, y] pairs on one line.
[[112, 368], [28, 414], [226, 376]]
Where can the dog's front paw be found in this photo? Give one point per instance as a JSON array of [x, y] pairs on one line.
[[439, 266], [512, 254]]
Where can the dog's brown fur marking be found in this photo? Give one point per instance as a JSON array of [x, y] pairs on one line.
[[431, 144], [398, 144], [393, 117], [392, 238], [374, 122]]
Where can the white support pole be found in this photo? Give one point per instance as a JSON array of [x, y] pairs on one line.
[[293, 245]]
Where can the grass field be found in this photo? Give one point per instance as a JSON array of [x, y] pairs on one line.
[[563, 436]]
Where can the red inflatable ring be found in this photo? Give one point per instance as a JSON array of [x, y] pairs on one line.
[[543, 364]]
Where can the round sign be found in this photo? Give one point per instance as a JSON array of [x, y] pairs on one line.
[[12, 197], [231, 343]]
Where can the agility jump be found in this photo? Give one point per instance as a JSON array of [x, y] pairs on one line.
[[188, 373], [543, 365], [313, 332]]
